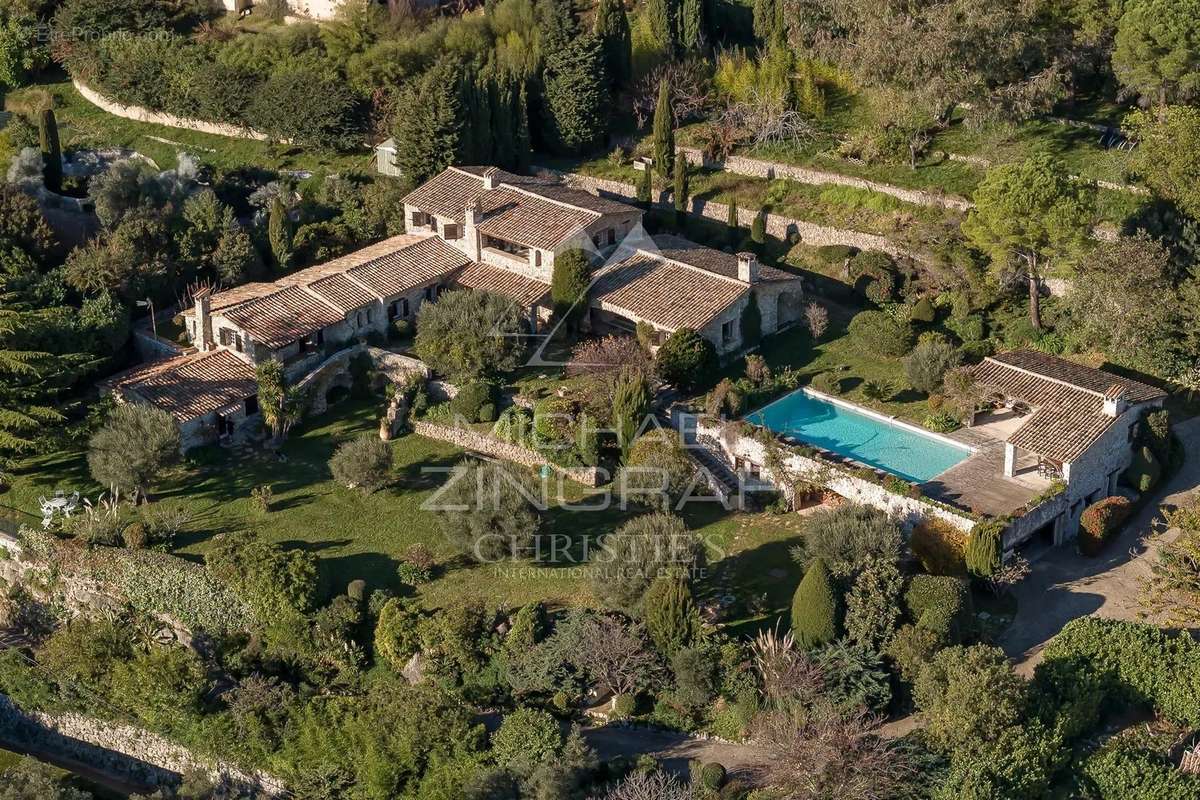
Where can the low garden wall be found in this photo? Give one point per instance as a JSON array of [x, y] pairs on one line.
[[69, 575], [775, 169], [778, 226], [910, 510], [142, 756], [496, 448], [140, 114]]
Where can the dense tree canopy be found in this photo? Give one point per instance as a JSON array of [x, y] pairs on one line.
[[1157, 51]]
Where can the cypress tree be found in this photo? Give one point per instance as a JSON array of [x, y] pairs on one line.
[[644, 189], [485, 150], [691, 24], [612, 26], [681, 190], [768, 21], [815, 607], [569, 285], [731, 223], [671, 618], [577, 96], [663, 26], [428, 128], [521, 142], [751, 322], [52, 168], [758, 230], [983, 549], [631, 403], [504, 141], [664, 131], [558, 24], [279, 234]]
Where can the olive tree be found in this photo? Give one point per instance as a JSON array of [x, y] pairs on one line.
[[469, 335], [133, 448]]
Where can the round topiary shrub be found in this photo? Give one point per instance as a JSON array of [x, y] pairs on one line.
[[471, 399], [624, 706], [1101, 521], [923, 311], [940, 604], [815, 607], [1144, 472], [134, 536], [396, 637], [712, 776]]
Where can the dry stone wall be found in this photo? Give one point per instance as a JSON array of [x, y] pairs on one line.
[[778, 226], [138, 754], [496, 448], [139, 114]]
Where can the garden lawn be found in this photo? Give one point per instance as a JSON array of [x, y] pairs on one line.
[[364, 536], [83, 125]]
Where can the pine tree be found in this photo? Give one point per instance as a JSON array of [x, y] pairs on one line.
[[731, 223], [663, 25], [681, 191], [279, 234], [577, 96], [691, 24], [815, 607], [612, 26], [664, 131], [631, 403], [671, 618], [52, 167]]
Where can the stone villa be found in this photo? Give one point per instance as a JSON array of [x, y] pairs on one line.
[[469, 227]]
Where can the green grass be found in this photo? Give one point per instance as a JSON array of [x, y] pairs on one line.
[[83, 125], [357, 536]]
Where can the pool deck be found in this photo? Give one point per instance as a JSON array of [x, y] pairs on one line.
[[979, 483]]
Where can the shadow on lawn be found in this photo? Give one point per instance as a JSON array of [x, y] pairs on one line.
[[760, 597]]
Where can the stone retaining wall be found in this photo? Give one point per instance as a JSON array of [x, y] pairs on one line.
[[125, 750], [139, 114], [778, 226], [496, 448], [775, 169]]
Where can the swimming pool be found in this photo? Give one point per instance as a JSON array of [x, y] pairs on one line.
[[862, 435]]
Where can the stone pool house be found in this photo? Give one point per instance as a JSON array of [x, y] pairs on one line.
[[468, 227]]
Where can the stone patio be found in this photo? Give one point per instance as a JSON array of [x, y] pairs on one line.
[[979, 483]]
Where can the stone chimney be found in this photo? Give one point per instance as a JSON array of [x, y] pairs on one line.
[[472, 240], [489, 178], [747, 267], [204, 331], [1116, 401]]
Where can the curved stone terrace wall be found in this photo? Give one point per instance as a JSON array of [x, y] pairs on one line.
[[496, 448], [139, 114]]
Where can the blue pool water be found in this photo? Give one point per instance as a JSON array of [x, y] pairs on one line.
[[878, 443]]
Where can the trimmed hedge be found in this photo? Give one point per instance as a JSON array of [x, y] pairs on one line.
[[1125, 772], [1143, 474], [1149, 665], [879, 333], [1100, 521], [940, 604]]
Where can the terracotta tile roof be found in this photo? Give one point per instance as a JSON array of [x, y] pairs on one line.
[[525, 291], [536, 212], [665, 293], [688, 252], [188, 387], [403, 270], [515, 216], [1067, 398], [283, 316], [343, 293]]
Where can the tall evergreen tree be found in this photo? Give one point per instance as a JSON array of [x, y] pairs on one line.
[[279, 234], [645, 188], [671, 617], [27, 384], [558, 24], [577, 97], [523, 146], [631, 403], [428, 127], [731, 223], [681, 190], [504, 140], [664, 131], [52, 169], [758, 231], [664, 26], [768, 21], [692, 30], [612, 26], [815, 607]]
